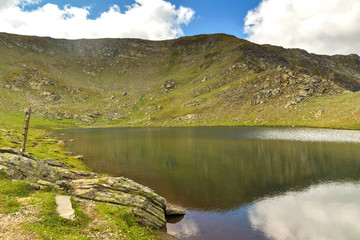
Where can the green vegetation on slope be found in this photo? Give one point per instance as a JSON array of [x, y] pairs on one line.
[[215, 80]]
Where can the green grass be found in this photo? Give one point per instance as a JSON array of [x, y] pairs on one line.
[[9, 191], [51, 225], [40, 143], [120, 219], [116, 220]]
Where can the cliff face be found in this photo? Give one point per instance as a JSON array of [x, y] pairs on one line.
[[203, 80]]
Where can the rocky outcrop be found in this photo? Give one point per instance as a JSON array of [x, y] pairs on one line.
[[167, 86], [50, 96], [148, 207], [22, 167]]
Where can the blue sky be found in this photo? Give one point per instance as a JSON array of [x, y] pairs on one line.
[[211, 16], [216, 16], [318, 26]]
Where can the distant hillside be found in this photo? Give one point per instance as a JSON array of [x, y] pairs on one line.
[[200, 80]]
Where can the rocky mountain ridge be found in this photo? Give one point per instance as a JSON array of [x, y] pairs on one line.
[[201, 80]]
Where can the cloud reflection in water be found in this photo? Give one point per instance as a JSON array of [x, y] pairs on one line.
[[186, 228], [308, 135], [325, 211]]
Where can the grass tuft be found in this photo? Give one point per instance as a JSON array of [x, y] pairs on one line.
[[9, 191], [120, 219]]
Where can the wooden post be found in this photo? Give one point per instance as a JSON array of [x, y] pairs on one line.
[[26, 128]]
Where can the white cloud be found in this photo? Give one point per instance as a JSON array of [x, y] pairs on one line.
[[320, 26], [326, 211], [148, 19], [7, 3]]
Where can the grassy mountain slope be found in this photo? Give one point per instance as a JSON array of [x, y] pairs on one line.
[[200, 80]]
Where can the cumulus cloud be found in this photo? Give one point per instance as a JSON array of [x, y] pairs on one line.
[[7, 3], [320, 26], [326, 211], [10, 3], [147, 19]]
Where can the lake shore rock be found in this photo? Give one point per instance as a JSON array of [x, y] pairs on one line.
[[173, 211], [148, 207]]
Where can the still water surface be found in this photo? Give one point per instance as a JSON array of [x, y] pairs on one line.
[[239, 182]]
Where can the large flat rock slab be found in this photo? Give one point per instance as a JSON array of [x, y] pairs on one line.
[[64, 207], [147, 206]]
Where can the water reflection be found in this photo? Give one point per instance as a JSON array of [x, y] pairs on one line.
[[218, 173], [325, 211], [186, 229], [202, 225], [218, 168], [308, 135]]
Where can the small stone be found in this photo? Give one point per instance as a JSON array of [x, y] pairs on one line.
[[55, 163], [64, 207], [84, 174], [303, 93], [62, 183], [318, 113], [44, 183], [12, 151], [172, 211], [9, 150], [51, 53], [3, 168], [79, 157], [35, 186], [167, 86]]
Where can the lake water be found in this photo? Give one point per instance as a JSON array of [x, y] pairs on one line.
[[239, 182]]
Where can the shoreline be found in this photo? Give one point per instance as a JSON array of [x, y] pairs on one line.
[[42, 145]]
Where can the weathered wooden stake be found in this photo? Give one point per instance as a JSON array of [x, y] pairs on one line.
[[26, 128]]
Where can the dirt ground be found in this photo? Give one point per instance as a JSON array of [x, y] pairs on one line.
[[10, 224]]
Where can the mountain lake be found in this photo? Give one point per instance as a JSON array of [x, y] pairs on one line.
[[238, 182]]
